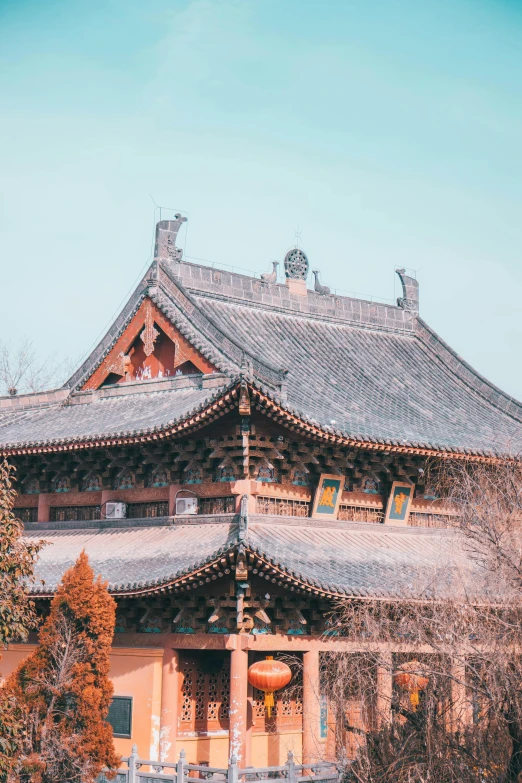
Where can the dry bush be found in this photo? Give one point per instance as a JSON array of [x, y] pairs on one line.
[[23, 372], [466, 640]]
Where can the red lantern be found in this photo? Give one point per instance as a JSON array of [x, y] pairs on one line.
[[269, 676], [409, 676]]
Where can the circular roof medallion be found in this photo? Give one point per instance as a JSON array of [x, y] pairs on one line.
[[296, 264]]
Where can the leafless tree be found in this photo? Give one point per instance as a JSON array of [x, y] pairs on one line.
[[433, 688], [22, 371]]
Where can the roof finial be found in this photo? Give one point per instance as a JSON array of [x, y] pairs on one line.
[[410, 292], [296, 264], [166, 234]]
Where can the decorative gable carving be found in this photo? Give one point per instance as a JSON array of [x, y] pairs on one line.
[[150, 347]]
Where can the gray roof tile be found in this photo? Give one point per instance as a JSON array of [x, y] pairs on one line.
[[344, 559]]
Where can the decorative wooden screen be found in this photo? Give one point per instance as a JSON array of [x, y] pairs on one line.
[[74, 513], [288, 713], [205, 693], [27, 514]]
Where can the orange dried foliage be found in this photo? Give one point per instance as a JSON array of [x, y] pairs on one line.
[[63, 688]]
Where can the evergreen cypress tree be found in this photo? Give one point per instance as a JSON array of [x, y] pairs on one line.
[[63, 689]]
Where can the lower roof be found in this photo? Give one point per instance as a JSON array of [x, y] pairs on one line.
[[337, 559], [114, 412]]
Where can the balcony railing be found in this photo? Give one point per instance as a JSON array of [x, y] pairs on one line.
[[136, 770]]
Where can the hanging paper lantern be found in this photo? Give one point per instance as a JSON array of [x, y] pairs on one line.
[[409, 677], [269, 676]]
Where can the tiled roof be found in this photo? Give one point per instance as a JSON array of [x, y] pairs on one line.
[[130, 558], [343, 559], [369, 372], [113, 412], [373, 385], [365, 560]]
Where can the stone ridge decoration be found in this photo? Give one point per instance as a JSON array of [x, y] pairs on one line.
[[296, 264], [399, 503], [328, 497]]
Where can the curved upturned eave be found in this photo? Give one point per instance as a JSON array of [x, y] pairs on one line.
[[272, 404]]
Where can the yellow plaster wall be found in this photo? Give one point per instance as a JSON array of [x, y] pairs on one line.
[[211, 750], [9, 659], [135, 672], [270, 750]]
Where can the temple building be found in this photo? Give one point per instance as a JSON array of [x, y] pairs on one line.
[[236, 456]]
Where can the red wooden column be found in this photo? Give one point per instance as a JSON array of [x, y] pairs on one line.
[[43, 507], [238, 704], [311, 706], [169, 705]]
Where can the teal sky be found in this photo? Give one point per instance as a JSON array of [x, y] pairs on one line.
[[388, 131]]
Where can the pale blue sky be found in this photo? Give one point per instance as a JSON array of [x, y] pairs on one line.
[[388, 130]]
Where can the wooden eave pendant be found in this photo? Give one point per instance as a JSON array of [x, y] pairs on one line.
[[149, 347]]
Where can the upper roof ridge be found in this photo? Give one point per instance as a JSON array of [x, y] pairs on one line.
[[206, 281]]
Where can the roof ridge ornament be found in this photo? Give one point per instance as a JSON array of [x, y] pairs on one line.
[[318, 287], [296, 264], [166, 235], [410, 292], [243, 519]]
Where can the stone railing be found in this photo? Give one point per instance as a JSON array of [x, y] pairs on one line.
[[136, 770]]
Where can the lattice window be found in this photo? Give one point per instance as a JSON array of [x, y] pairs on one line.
[[288, 708], [26, 514], [284, 703], [298, 696], [417, 519], [155, 508], [225, 693], [187, 707], [284, 507], [213, 697], [360, 514], [205, 694], [74, 513], [199, 696], [258, 705], [223, 505]]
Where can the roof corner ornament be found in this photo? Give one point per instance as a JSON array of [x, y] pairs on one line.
[[243, 519], [166, 235], [283, 385], [241, 563], [247, 368], [320, 289], [244, 399], [410, 292]]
